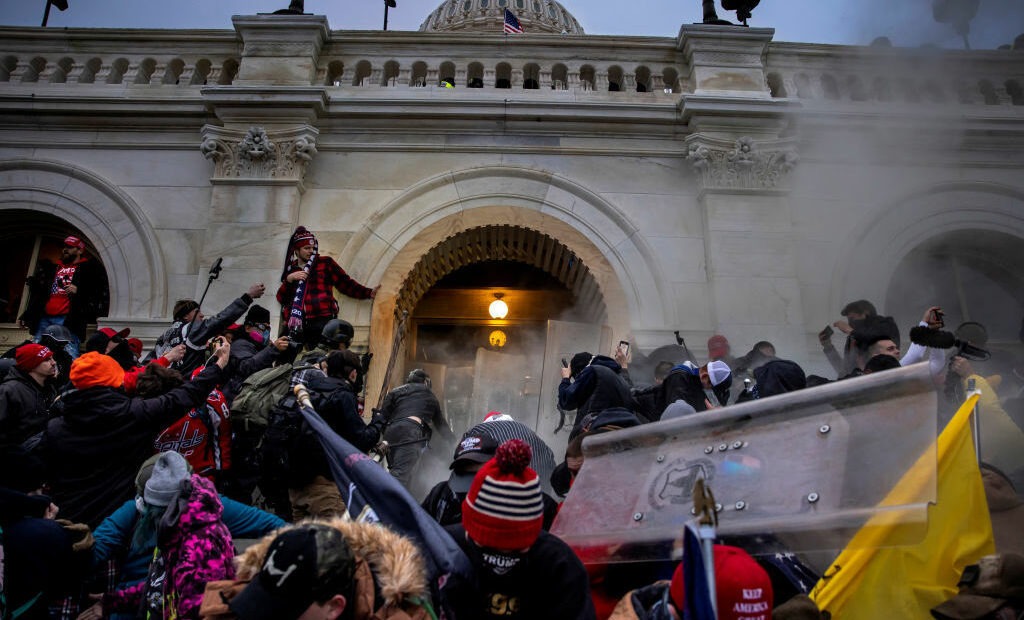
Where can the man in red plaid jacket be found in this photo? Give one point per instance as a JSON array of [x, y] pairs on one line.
[[314, 304]]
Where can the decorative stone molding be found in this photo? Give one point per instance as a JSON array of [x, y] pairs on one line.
[[258, 155], [743, 164]]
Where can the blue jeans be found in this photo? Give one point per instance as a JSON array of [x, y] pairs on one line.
[[48, 320]]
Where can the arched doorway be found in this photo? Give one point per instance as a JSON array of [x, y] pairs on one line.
[[481, 361], [26, 238]]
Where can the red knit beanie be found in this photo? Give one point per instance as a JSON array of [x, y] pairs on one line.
[[743, 588], [503, 509], [95, 369], [28, 356], [301, 238]]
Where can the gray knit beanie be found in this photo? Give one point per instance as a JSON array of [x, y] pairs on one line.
[[169, 471]]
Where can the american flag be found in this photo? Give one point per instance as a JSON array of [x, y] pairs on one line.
[[512, 25]]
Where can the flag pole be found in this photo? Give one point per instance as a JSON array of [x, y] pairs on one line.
[[46, 14]]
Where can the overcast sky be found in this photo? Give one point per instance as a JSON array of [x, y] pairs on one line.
[[906, 22]]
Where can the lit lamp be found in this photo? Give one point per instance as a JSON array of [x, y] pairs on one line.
[[498, 308], [497, 339]]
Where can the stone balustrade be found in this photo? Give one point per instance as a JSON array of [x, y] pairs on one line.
[[628, 66]]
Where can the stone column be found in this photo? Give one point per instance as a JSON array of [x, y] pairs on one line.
[[742, 164], [261, 151]]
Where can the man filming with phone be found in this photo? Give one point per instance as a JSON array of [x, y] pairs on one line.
[[193, 329]]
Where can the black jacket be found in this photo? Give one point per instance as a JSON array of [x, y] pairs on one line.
[[597, 387], [23, 404], [96, 446], [91, 300], [548, 581], [195, 335], [335, 400], [413, 399], [247, 357], [681, 384]]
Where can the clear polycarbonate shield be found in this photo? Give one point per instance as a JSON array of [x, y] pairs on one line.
[[801, 471]]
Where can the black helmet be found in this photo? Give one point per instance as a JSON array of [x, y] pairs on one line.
[[418, 376], [337, 332]]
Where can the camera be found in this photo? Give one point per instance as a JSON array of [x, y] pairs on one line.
[[624, 347]]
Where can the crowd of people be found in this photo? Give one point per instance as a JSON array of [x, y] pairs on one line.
[[187, 483]]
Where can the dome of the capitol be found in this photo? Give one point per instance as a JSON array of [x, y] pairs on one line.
[[535, 16]]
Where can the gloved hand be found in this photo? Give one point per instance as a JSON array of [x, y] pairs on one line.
[[377, 422], [365, 361]]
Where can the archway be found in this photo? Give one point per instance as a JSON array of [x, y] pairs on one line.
[[389, 247], [109, 219], [872, 255]]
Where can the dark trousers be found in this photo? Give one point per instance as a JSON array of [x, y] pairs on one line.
[[407, 440]]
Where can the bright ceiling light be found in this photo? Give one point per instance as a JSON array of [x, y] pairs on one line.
[[498, 308]]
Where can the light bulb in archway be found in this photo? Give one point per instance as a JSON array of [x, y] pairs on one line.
[[497, 339], [498, 308]]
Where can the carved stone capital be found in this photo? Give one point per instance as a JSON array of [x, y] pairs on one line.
[[256, 154], [743, 164]]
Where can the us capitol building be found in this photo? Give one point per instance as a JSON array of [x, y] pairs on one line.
[[605, 188]]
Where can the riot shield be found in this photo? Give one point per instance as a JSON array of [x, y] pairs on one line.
[[805, 470]]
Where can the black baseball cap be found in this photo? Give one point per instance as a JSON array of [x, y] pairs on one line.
[[305, 564], [472, 449]]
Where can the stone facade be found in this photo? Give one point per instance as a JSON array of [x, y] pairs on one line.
[[713, 182]]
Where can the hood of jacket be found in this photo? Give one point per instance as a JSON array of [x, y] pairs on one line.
[[195, 510], [92, 408], [607, 362], [323, 384], [779, 377], [394, 560]]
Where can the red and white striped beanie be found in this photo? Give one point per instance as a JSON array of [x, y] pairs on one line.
[[503, 509]]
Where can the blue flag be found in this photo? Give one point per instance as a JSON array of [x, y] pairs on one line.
[[695, 579], [371, 494]]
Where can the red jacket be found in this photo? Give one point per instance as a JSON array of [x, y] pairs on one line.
[[319, 300], [202, 436]]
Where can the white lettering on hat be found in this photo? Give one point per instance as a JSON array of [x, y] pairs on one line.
[[274, 571], [754, 593], [750, 608]]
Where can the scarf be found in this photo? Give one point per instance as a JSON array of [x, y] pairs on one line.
[[295, 315]]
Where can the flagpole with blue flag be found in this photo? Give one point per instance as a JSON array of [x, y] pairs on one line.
[[371, 494], [62, 5]]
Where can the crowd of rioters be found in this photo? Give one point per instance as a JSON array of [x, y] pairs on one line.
[[185, 482]]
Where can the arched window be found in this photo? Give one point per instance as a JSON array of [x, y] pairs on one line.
[[503, 75], [363, 70], [172, 74], [334, 70], [829, 87], [776, 86], [390, 77], [559, 77], [475, 75], [856, 88], [228, 72], [1016, 93], [7, 65], [671, 78], [419, 74], [37, 66], [587, 77], [60, 73], [201, 72], [614, 78], [643, 80], [447, 73], [881, 90], [531, 76], [803, 86], [988, 91], [89, 71], [145, 72]]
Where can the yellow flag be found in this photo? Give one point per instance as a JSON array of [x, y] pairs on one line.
[[870, 580]]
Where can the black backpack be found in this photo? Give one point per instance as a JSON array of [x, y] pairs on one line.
[[287, 448]]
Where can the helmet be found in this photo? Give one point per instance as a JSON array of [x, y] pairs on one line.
[[336, 332], [418, 376]]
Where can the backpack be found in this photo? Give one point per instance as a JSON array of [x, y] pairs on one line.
[[260, 392], [285, 446]]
